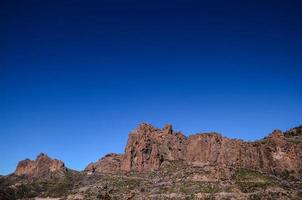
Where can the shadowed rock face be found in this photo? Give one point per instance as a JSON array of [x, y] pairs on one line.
[[109, 163], [149, 147], [42, 166]]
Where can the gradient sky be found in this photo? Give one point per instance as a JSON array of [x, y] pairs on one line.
[[77, 76]]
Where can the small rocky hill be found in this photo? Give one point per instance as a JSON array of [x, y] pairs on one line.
[[42, 166]]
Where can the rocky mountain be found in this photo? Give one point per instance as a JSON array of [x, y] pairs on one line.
[[149, 147], [41, 167], [160, 163], [273, 154]]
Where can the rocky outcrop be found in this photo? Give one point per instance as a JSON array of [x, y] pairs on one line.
[[41, 167], [148, 147], [271, 154], [202, 166], [109, 163]]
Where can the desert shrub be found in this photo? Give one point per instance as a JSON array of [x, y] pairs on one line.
[[7, 194], [203, 187], [294, 132], [246, 175], [248, 187], [25, 191], [250, 181]]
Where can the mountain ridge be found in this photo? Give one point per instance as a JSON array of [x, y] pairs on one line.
[[160, 163], [169, 145]]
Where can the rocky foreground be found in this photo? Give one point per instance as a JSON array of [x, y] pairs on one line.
[[163, 164]]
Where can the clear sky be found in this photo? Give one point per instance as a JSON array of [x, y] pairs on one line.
[[77, 76]]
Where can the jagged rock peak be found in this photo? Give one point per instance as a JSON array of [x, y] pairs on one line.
[[42, 156], [145, 128], [276, 134], [109, 163], [148, 147], [42, 166]]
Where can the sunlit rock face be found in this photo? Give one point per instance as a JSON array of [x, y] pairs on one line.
[[40, 167], [274, 153], [148, 147]]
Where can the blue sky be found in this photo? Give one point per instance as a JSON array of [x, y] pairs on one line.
[[77, 76]]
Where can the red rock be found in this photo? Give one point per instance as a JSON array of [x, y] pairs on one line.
[[42, 166], [274, 154], [109, 163], [148, 147]]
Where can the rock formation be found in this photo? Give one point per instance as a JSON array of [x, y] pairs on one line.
[[109, 163], [41, 167], [149, 147], [274, 153], [164, 164]]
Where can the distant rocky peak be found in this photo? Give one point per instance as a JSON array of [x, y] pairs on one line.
[[276, 134], [40, 167], [41, 155], [277, 137], [145, 128]]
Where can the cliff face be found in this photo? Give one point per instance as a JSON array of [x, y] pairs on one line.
[[274, 153], [42, 166], [149, 147]]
